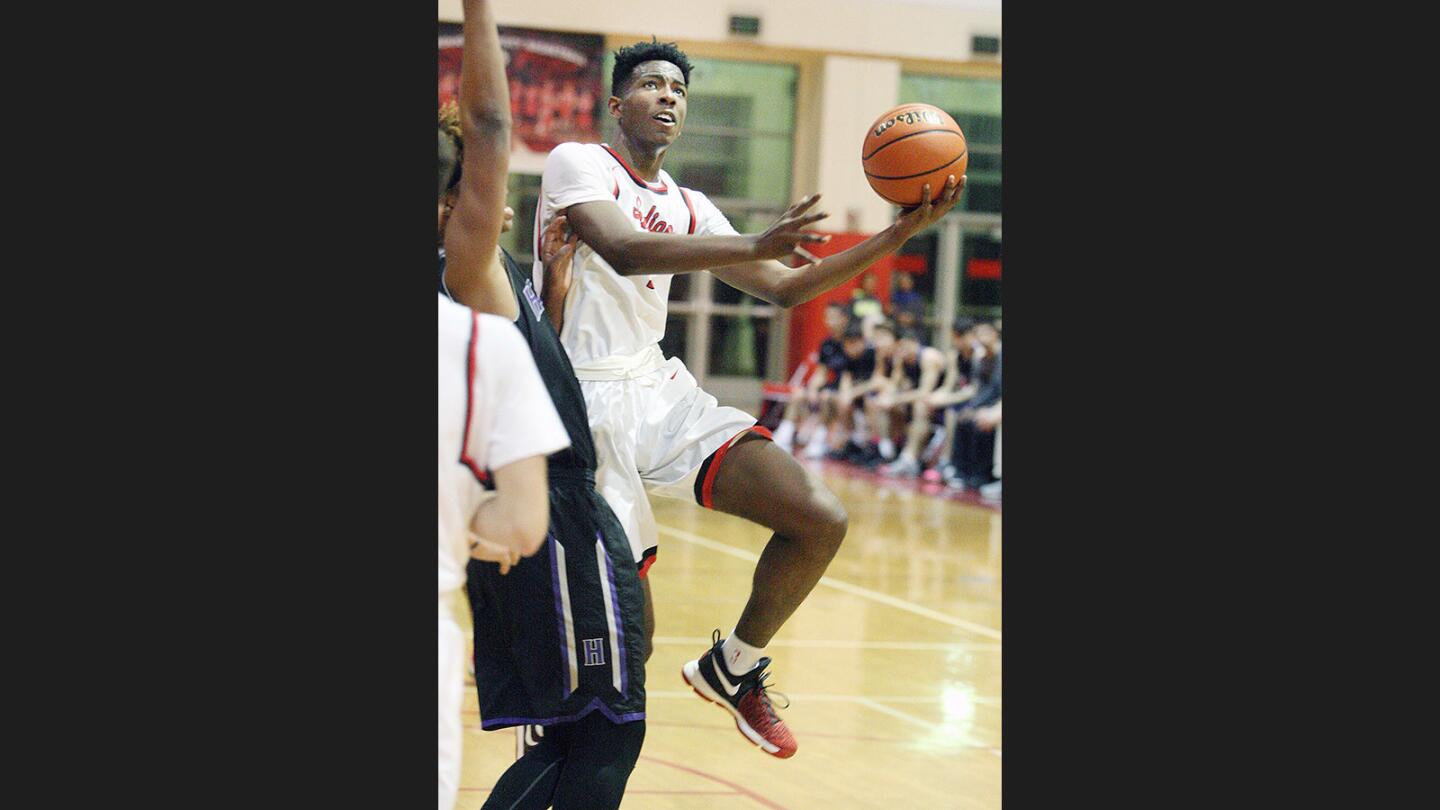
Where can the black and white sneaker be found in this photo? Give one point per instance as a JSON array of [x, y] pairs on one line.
[[745, 697]]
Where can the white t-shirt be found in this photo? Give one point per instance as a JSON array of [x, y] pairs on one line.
[[607, 314], [494, 410]]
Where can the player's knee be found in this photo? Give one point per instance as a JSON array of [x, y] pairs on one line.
[[829, 522]]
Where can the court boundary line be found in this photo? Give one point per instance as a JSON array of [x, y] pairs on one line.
[[841, 585]]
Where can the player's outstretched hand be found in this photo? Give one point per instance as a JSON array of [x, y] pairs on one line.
[[912, 220], [482, 549], [786, 236]]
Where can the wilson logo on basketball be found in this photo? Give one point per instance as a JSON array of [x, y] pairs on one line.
[[911, 117], [651, 221]]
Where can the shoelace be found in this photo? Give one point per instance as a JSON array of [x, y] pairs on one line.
[[764, 689]]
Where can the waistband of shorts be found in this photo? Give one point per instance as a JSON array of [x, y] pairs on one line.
[[621, 366], [571, 475]]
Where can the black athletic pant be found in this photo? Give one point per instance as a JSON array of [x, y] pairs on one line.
[[577, 766], [973, 453]]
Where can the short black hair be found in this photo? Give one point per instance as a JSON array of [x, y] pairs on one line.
[[887, 326], [963, 325], [854, 331], [632, 56], [912, 334]]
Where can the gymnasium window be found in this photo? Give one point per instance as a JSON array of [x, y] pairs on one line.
[[975, 106]]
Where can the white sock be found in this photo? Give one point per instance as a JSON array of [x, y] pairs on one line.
[[740, 657], [784, 434], [819, 436], [887, 448]]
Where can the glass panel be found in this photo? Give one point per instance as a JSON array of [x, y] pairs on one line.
[[979, 252], [975, 106], [738, 345], [723, 293], [751, 167], [522, 195]]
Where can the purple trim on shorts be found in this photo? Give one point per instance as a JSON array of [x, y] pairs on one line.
[[559, 619], [619, 623], [501, 722]]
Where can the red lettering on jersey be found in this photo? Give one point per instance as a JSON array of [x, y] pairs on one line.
[[651, 220]]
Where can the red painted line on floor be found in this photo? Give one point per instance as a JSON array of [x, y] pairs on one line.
[[750, 794]]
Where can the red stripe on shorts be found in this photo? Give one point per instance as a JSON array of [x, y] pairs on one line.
[[706, 490]]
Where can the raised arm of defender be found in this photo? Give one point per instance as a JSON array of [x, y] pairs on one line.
[[472, 236]]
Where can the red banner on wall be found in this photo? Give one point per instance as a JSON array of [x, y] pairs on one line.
[[555, 88]]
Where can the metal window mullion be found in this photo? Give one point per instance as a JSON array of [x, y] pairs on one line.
[[947, 279], [761, 311]]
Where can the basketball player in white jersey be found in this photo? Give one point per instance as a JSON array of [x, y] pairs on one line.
[[653, 426]]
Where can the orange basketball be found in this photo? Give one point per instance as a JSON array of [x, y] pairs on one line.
[[910, 146]]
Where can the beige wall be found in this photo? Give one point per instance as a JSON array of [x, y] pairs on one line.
[[924, 30], [853, 94]]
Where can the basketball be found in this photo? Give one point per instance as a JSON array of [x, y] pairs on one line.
[[910, 146]]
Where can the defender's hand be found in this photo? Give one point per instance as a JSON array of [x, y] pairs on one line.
[[786, 236], [482, 549], [912, 220], [557, 249]]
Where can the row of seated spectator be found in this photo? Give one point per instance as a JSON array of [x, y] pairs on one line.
[[874, 394]]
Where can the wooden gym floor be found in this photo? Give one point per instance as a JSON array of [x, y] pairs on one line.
[[892, 665]]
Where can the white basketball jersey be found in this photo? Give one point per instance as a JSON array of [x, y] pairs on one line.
[[494, 410], [606, 314]]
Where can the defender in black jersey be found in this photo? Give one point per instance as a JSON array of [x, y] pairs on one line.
[[559, 639]]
